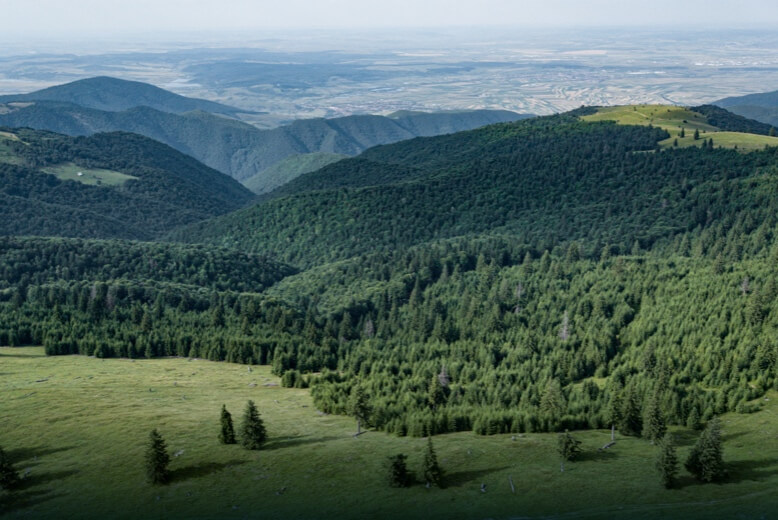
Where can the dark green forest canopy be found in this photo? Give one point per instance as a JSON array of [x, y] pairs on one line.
[[547, 181]]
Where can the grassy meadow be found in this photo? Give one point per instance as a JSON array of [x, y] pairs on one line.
[[673, 119], [78, 427], [90, 176]]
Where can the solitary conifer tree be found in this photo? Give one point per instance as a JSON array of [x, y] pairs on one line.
[[705, 460], [253, 432], [157, 459], [667, 461], [398, 471], [432, 472], [568, 448], [654, 426], [227, 434], [359, 407], [9, 477]]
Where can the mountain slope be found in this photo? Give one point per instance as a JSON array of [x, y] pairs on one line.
[[107, 185], [762, 107], [114, 95], [239, 149]]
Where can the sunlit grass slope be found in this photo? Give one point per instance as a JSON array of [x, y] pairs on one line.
[[78, 427], [674, 119]]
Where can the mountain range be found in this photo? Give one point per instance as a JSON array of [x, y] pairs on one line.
[[200, 129]]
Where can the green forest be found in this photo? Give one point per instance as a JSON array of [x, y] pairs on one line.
[[535, 276]]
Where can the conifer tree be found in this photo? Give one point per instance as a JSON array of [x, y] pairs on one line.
[[667, 461], [359, 407], [705, 461], [693, 421], [432, 472], [398, 471], [227, 434], [631, 420], [9, 477], [696, 135], [157, 459], [253, 433], [568, 448], [654, 427], [436, 394]]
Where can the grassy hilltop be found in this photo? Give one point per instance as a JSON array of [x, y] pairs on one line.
[[79, 425], [674, 119]]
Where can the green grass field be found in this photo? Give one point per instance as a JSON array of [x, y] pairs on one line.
[[93, 177], [673, 119], [7, 155], [79, 426]]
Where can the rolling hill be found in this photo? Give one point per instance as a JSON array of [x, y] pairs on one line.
[[114, 185], [762, 107], [115, 95], [225, 144]]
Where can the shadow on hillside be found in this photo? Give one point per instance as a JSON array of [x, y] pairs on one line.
[[758, 470], [597, 455], [29, 457], [37, 479], [18, 500], [291, 442], [201, 470], [460, 478]]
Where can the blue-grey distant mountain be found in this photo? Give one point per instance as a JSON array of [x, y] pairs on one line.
[[238, 149], [114, 95], [761, 107]]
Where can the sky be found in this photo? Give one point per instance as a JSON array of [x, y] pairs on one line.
[[73, 18]]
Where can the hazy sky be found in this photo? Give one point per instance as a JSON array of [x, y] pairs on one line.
[[72, 18]]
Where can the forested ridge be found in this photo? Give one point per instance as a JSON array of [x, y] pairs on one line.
[[530, 276], [166, 188]]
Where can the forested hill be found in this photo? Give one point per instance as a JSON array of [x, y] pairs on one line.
[[546, 180], [549, 274], [115, 95], [762, 107], [114, 185], [239, 149]]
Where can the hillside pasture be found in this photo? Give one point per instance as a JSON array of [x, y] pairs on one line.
[[77, 428], [90, 176]]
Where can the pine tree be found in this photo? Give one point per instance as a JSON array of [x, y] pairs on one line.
[[654, 427], [667, 461], [9, 477], [772, 132], [252, 430], [693, 421], [157, 459], [398, 471], [705, 461], [227, 434], [433, 475], [696, 135], [631, 420], [568, 447], [436, 396], [359, 406], [683, 133]]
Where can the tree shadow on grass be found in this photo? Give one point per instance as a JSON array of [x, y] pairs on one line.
[[17, 500], [30, 456], [291, 442], [754, 470], [37, 479], [597, 455], [201, 470], [460, 478]]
